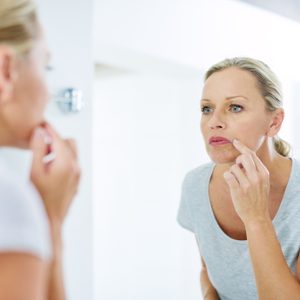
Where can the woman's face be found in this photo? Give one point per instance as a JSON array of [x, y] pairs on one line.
[[232, 107], [25, 109]]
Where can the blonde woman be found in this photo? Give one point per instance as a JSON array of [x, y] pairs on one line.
[[244, 206], [31, 211]]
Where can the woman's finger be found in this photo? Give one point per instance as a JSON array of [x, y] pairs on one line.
[[72, 147], [231, 181], [241, 147], [39, 149], [261, 168], [239, 175], [249, 167]]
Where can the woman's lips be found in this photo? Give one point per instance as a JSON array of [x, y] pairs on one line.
[[218, 140]]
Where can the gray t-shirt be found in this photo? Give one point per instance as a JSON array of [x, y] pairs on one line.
[[23, 221], [228, 262]]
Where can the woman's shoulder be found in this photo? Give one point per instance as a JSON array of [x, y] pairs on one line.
[[18, 197], [294, 177], [296, 166], [14, 188], [23, 220], [200, 171], [197, 178]]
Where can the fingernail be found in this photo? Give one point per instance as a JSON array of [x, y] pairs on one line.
[[47, 138], [49, 158], [226, 175], [236, 141], [39, 133]]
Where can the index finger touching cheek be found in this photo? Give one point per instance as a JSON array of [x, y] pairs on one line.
[[49, 128], [241, 147]]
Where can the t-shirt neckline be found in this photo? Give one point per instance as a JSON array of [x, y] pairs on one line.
[[276, 217]]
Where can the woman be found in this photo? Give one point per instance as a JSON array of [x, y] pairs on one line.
[[244, 207], [31, 212]]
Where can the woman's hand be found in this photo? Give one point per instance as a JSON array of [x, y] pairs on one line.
[[248, 181], [55, 171]]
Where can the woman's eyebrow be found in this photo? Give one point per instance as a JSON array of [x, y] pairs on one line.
[[227, 98], [237, 96]]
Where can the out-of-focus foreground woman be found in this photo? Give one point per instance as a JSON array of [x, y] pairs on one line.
[[32, 210]]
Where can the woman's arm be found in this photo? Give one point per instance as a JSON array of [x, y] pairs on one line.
[[274, 279], [208, 291], [57, 181], [248, 181], [56, 289], [22, 276]]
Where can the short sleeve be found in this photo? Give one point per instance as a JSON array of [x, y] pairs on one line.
[[23, 221], [184, 216]]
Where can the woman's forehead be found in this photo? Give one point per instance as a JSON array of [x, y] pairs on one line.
[[231, 82]]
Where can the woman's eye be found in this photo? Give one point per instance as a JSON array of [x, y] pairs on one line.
[[206, 110], [236, 108]]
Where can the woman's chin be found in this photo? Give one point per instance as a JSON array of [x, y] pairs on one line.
[[223, 158]]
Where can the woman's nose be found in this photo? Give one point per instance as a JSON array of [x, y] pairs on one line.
[[216, 122]]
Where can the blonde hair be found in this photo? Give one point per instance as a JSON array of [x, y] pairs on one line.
[[268, 85], [18, 24]]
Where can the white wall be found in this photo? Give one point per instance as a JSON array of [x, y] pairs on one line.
[[68, 26], [144, 126], [196, 33]]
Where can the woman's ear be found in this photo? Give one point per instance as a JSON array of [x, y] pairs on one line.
[[276, 121], [7, 72]]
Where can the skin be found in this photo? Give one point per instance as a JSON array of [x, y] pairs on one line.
[[222, 93], [252, 175], [23, 98], [24, 93]]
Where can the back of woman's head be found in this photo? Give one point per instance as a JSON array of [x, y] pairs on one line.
[[18, 24], [268, 85]]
